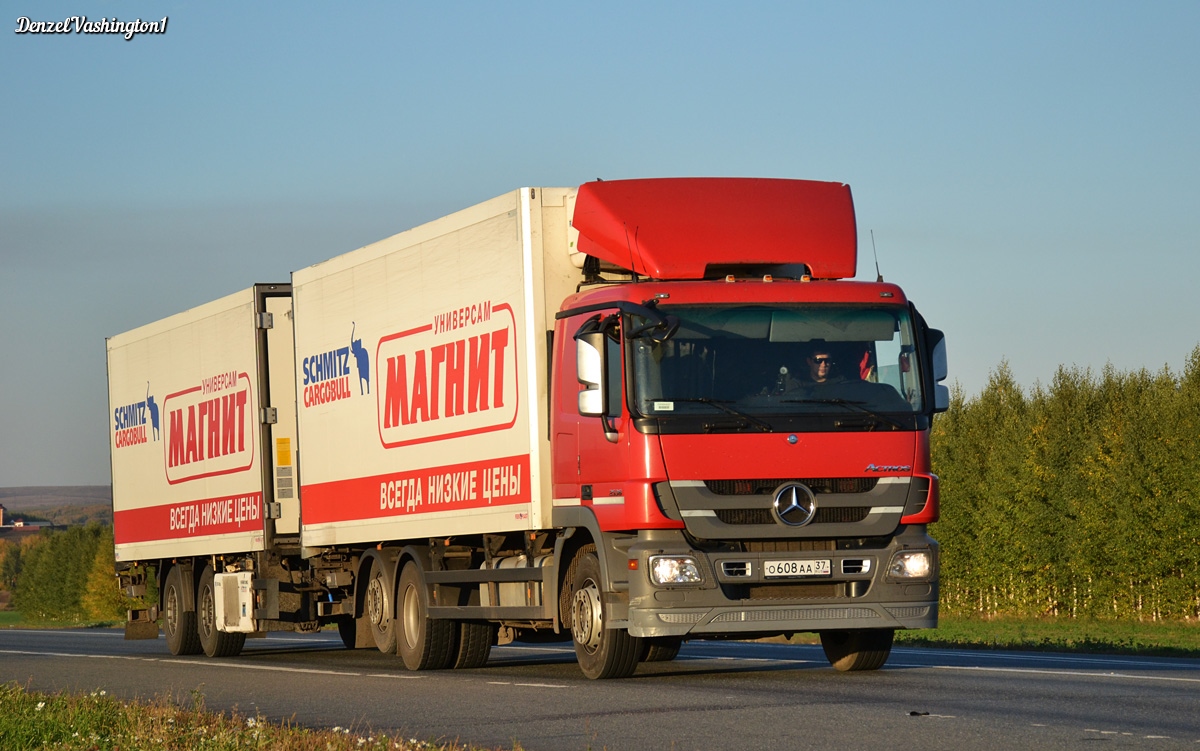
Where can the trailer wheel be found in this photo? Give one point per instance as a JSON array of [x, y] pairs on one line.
[[215, 643], [178, 624], [380, 610], [602, 652], [859, 649], [661, 648], [422, 642], [474, 644]]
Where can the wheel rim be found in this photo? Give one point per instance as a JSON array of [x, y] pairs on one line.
[[412, 616], [171, 617], [377, 602], [207, 612], [586, 616]]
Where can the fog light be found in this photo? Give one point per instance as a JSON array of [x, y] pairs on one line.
[[674, 569], [911, 564]]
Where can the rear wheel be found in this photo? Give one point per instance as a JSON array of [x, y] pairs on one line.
[[602, 652], [474, 644], [379, 608], [179, 625], [422, 642], [216, 643], [859, 649]]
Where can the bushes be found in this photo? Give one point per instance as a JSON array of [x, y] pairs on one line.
[[1080, 499], [53, 583]]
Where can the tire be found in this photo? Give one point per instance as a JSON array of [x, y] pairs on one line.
[[602, 652], [179, 625], [661, 648], [423, 643], [380, 609], [863, 649], [474, 644], [214, 642]]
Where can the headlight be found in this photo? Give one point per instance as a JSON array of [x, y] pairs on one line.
[[674, 569], [911, 564]]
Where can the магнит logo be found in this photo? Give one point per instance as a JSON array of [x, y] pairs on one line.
[[454, 376], [210, 428]]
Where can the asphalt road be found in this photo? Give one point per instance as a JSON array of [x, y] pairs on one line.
[[715, 696]]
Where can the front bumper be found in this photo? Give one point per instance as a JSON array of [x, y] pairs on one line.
[[736, 599]]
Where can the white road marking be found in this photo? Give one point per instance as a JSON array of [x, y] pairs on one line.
[[541, 685], [1074, 673]]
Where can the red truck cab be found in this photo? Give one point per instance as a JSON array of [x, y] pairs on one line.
[[746, 430]]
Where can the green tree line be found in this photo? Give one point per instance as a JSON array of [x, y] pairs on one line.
[[1077, 499], [64, 576]]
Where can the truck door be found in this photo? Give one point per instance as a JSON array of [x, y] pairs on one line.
[[281, 384]]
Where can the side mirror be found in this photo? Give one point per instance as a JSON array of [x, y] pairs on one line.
[[590, 366], [941, 393]]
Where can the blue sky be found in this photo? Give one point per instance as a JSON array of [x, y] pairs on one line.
[[1029, 170]]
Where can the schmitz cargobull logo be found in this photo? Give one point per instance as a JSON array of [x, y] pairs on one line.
[[454, 376], [210, 428], [325, 376], [130, 422]]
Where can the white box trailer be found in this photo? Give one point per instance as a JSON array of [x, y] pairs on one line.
[[437, 426], [203, 431]]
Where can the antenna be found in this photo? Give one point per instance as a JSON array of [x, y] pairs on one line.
[[878, 276], [629, 247]]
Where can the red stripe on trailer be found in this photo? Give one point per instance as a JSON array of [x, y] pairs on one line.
[[190, 519], [471, 485]]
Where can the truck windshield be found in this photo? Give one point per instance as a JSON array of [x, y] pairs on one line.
[[780, 360]]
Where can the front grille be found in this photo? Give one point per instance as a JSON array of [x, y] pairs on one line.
[[817, 485], [824, 515], [745, 516], [788, 546]]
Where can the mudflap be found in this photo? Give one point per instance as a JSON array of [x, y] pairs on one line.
[[143, 629]]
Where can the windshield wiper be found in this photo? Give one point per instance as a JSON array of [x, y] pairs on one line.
[[766, 428], [852, 405]]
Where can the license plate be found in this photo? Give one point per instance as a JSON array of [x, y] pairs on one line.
[[792, 569]]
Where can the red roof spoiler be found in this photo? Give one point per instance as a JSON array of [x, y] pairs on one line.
[[674, 228]]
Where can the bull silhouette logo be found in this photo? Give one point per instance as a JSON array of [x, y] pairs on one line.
[[152, 407], [362, 362]]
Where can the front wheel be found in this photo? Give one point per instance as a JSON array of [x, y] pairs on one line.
[[602, 652], [216, 643], [858, 649]]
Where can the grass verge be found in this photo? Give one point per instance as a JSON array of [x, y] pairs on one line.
[[1172, 639], [96, 721]]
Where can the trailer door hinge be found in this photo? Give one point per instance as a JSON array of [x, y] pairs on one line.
[[270, 415], [266, 320]]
